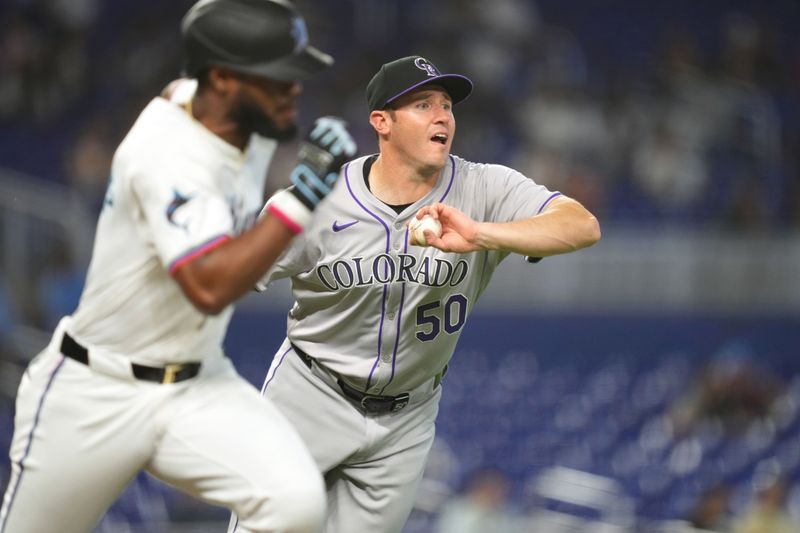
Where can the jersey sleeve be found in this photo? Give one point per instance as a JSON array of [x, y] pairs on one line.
[[512, 196], [184, 212], [294, 260]]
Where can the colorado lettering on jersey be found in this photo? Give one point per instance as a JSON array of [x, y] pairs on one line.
[[353, 272]]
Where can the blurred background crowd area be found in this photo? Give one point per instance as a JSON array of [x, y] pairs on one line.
[[648, 384], [649, 112]]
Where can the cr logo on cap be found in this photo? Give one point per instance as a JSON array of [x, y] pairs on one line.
[[424, 64]]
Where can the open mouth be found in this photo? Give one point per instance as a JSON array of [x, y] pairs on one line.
[[440, 138]]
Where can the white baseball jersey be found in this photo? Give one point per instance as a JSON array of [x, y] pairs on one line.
[[382, 314], [83, 431], [163, 208]]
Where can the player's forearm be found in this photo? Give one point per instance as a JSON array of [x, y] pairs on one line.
[[214, 281], [564, 227]]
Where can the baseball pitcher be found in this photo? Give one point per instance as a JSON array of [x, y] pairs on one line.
[[377, 317]]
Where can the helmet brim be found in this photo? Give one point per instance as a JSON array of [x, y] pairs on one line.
[[296, 67]]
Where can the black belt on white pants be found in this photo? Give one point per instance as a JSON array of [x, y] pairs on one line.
[[169, 373]]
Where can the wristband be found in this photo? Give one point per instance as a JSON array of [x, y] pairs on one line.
[[290, 210]]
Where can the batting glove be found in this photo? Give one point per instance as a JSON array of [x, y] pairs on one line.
[[322, 153], [321, 156]]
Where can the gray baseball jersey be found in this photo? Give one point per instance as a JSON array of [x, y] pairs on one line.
[[384, 315]]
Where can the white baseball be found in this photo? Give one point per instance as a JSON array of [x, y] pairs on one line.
[[418, 227]]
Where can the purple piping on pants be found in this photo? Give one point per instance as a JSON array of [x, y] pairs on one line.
[[30, 439]]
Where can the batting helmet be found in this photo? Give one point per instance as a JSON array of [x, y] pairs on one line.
[[266, 38]]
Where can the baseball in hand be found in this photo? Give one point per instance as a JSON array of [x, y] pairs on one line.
[[418, 227]]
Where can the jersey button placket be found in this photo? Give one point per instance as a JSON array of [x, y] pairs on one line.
[[400, 238]]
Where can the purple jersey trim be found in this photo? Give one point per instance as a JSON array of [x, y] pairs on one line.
[[373, 215], [403, 286], [380, 339], [388, 241], [30, 440], [554, 195], [397, 335], [269, 378], [452, 178], [399, 320]]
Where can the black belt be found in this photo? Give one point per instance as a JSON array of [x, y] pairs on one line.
[[169, 373], [366, 403]]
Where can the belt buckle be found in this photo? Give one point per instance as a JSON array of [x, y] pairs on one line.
[[400, 401], [372, 404], [171, 372], [383, 404]]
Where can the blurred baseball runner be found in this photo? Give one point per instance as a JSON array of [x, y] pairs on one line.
[[376, 319], [136, 378]]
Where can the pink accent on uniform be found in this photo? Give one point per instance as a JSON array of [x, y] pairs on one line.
[[197, 252], [293, 226]]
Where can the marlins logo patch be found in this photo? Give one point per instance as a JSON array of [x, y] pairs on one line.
[[173, 208], [299, 34]]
